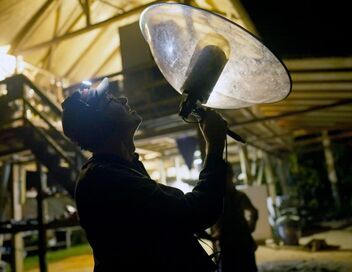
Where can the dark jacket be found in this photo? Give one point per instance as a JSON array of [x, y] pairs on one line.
[[135, 224]]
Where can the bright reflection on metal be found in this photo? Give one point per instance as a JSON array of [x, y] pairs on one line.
[[252, 74], [86, 83]]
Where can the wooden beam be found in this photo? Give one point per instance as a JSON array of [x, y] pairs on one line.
[[292, 113], [69, 28], [117, 50], [319, 139], [321, 95], [245, 165], [84, 53], [270, 178], [16, 209], [318, 63], [85, 4], [111, 5], [321, 76], [87, 29], [56, 27], [322, 86], [42, 214], [330, 164], [28, 26], [248, 112]]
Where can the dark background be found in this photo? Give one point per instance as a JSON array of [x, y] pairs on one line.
[[297, 28]]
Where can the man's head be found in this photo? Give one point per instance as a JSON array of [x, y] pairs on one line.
[[92, 117]]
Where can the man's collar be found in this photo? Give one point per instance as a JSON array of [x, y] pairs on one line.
[[113, 157]]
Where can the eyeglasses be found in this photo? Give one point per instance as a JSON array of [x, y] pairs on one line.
[[119, 100]]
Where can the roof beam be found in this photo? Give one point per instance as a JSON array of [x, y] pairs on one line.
[[319, 139], [321, 76], [111, 5], [87, 29], [84, 53], [56, 27], [292, 113], [318, 63], [249, 113], [85, 4], [115, 51], [22, 33]]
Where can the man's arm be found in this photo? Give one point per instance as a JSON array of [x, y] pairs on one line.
[[193, 211], [146, 199]]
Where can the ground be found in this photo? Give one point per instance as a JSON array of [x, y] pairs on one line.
[[269, 259]]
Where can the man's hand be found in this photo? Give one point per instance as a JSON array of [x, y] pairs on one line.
[[214, 129]]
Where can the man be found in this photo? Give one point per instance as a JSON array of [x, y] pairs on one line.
[[233, 231], [131, 222]]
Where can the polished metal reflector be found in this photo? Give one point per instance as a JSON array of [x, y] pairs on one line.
[[191, 45]]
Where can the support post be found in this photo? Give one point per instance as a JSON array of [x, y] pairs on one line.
[[329, 159], [270, 179], [254, 164], [245, 166], [16, 210], [282, 175], [4, 183], [162, 171], [201, 143], [260, 175], [177, 167], [42, 243]]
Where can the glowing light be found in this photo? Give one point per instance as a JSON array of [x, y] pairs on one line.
[[3, 90], [5, 48], [7, 65], [155, 175], [87, 83], [151, 156], [30, 93], [171, 172], [194, 174], [184, 172], [197, 161], [28, 113], [40, 107], [19, 64], [241, 176], [71, 209]]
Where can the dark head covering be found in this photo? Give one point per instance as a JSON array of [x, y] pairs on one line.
[[80, 117]]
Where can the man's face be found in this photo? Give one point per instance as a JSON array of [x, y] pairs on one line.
[[118, 110]]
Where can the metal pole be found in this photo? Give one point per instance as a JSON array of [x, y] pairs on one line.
[[245, 166], [4, 182], [41, 219], [16, 207], [329, 158]]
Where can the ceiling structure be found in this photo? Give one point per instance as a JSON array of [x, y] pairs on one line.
[[69, 41]]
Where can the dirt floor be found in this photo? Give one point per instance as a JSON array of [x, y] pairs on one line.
[[269, 259], [280, 260], [300, 258]]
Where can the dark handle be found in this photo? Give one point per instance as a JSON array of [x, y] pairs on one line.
[[235, 136], [199, 114]]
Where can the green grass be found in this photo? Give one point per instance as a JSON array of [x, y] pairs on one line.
[[54, 256]]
